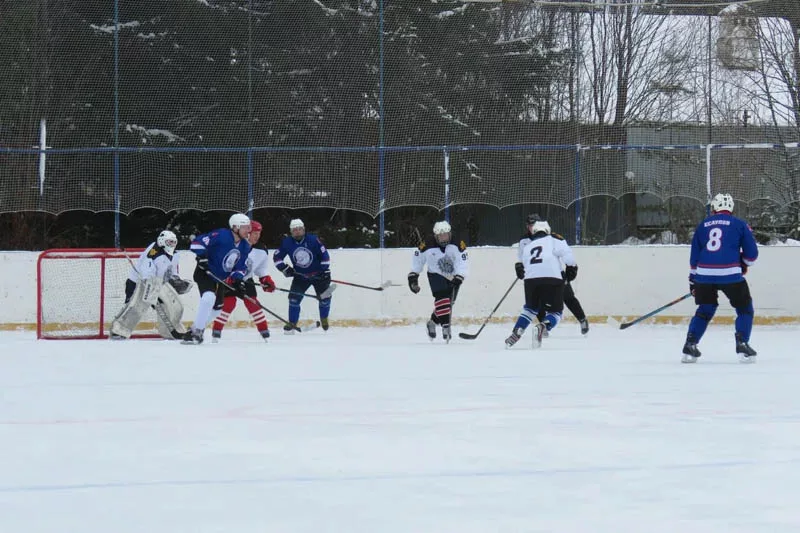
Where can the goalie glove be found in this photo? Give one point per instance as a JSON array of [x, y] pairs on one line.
[[413, 282], [570, 272], [180, 285], [267, 284]]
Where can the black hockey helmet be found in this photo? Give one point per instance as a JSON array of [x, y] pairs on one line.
[[532, 218]]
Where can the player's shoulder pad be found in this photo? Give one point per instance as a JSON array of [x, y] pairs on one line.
[[462, 246], [557, 236]]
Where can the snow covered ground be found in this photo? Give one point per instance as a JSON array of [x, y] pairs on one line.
[[378, 430]]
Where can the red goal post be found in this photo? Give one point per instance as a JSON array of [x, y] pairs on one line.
[[80, 290]]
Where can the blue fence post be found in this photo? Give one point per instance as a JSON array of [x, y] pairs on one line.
[[577, 193], [250, 184], [446, 185], [381, 151], [117, 200]]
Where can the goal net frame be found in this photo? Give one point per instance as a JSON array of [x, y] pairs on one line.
[[53, 323]]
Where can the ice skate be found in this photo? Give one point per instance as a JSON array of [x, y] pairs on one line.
[[216, 335], [512, 339], [193, 336], [446, 333], [115, 337], [289, 328], [324, 323], [746, 352], [541, 328], [690, 351], [431, 325], [584, 326], [265, 335]]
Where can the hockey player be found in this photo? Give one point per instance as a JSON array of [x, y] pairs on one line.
[[723, 247], [540, 256], [257, 265], [221, 257], [145, 288], [311, 265], [448, 265]]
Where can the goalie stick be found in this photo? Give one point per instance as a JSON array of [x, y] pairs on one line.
[[626, 325], [162, 315], [472, 336], [381, 287], [255, 301]]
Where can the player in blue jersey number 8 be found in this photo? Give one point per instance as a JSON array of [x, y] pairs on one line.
[[723, 247]]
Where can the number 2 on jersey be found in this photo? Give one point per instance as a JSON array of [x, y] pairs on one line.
[[714, 240], [536, 253]]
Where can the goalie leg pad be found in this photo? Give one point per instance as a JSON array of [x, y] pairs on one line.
[[169, 311], [131, 313]]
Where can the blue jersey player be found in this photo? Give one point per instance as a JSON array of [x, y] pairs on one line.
[[722, 248], [311, 265], [221, 256]]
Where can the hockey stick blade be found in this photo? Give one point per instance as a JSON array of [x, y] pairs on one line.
[[381, 287], [469, 336], [626, 325], [311, 327], [474, 336]]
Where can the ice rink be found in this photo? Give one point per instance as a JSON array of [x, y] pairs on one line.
[[379, 430]]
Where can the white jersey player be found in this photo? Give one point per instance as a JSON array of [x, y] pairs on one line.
[[257, 265], [448, 265], [146, 287], [540, 255]]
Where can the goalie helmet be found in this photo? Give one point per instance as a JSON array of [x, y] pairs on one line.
[[167, 241], [238, 220], [440, 229], [722, 202], [540, 226]]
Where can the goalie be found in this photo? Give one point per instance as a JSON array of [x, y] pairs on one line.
[[153, 283]]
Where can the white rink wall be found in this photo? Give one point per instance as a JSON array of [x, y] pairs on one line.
[[615, 281]]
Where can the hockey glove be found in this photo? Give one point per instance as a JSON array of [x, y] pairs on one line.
[[325, 275], [267, 284], [202, 263], [520, 268], [237, 284], [570, 272], [413, 282], [691, 284], [744, 265], [288, 272], [457, 281]]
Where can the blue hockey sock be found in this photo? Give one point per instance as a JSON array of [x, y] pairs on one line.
[[551, 320], [294, 309], [700, 320], [744, 321], [525, 318], [324, 308]]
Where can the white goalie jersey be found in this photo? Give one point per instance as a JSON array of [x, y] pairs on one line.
[[448, 261], [257, 263], [542, 255], [154, 263]]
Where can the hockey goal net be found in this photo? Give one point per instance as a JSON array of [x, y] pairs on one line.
[[79, 291]]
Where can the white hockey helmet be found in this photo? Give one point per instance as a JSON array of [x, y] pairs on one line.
[[296, 223], [540, 226], [238, 220], [722, 202], [441, 228], [167, 241]]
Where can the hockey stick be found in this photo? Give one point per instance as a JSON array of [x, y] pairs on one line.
[[255, 301], [324, 296], [626, 325], [472, 336], [379, 288], [159, 311]]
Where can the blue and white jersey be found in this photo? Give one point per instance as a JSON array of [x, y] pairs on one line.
[[309, 257], [224, 257], [721, 244]]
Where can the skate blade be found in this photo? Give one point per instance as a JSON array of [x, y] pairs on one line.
[[745, 360], [688, 359]]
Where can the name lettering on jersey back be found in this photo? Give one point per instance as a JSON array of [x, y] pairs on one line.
[[717, 223]]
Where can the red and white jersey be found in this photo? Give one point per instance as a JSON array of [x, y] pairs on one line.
[[543, 254], [154, 262], [257, 263], [448, 261]]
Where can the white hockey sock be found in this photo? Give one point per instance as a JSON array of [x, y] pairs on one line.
[[204, 308]]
